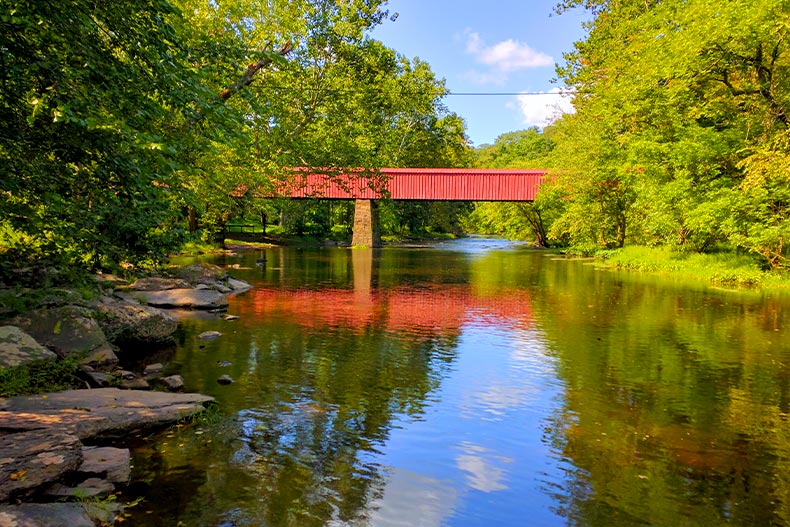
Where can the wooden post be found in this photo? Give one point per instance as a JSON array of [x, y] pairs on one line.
[[367, 229]]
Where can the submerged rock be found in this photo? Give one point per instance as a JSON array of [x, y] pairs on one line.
[[209, 335], [225, 379]]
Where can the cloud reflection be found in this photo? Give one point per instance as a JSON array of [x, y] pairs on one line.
[[484, 472]]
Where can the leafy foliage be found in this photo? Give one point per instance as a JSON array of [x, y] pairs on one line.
[[678, 136]]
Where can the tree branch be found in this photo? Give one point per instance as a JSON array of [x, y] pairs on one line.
[[249, 74]]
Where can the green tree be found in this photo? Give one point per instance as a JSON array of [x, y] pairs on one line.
[[530, 148], [88, 97], [680, 107]]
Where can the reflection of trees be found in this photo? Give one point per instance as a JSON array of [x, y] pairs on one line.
[[311, 448], [675, 402]]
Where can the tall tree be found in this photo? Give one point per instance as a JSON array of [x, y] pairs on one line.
[[680, 105]]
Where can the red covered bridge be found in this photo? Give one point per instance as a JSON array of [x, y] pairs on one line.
[[427, 184]]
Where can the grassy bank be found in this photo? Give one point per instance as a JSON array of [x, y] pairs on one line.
[[724, 268]]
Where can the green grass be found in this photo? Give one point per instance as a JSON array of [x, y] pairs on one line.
[[722, 268], [39, 377]]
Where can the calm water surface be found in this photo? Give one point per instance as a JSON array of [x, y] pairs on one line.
[[475, 383]]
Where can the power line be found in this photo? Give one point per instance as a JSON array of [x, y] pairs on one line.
[[507, 94]]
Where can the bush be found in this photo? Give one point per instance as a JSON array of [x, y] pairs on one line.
[[39, 377]]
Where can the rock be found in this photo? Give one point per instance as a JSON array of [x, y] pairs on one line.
[[101, 412], [173, 382], [31, 459], [45, 515], [109, 279], [186, 298], [99, 379], [231, 317], [209, 335], [224, 363], [223, 289], [135, 384], [202, 273], [90, 488], [125, 323], [238, 285], [225, 379], [113, 464], [68, 330], [153, 369], [125, 375], [158, 284], [17, 347], [101, 357]]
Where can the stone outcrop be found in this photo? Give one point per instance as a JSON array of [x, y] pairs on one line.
[[202, 273], [68, 331], [185, 298], [41, 438], [17, 347], [156, 283], [125, 323], [33, 458], [103, 412]]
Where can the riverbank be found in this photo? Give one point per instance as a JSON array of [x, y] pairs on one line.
[[724, 269], [79, 374]]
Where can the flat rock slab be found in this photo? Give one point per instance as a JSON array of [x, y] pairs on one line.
[[45, 515], [185, 298], [99, 412], [17, 347], [29, 460]]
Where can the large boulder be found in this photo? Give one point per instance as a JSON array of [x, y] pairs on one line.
[[185, 298], [125, 323], [155, 283], [68, 331], [202, 273], [17, 348]]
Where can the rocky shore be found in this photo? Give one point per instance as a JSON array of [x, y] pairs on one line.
[[58, 447]]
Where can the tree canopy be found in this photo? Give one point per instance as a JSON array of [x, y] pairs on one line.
[[126, 126]]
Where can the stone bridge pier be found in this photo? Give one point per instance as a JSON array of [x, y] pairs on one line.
[[367, 225]]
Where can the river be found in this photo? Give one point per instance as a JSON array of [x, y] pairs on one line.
[[474, 383]]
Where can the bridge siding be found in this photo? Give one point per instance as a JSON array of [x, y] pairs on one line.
[[434, 184]]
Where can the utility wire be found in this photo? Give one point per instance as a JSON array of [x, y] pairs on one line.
[[508, 94]]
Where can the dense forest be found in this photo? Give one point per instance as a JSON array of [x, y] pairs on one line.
[[680, 136], [128, 128]]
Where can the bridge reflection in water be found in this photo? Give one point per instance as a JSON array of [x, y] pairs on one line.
[[422, 308]]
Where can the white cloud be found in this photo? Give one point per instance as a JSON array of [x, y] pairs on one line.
[[505, 56], [544, 107]]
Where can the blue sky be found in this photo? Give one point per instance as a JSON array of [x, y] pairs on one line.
[[499, 46]]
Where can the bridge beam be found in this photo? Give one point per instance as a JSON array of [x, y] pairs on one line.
[[367, 226]]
